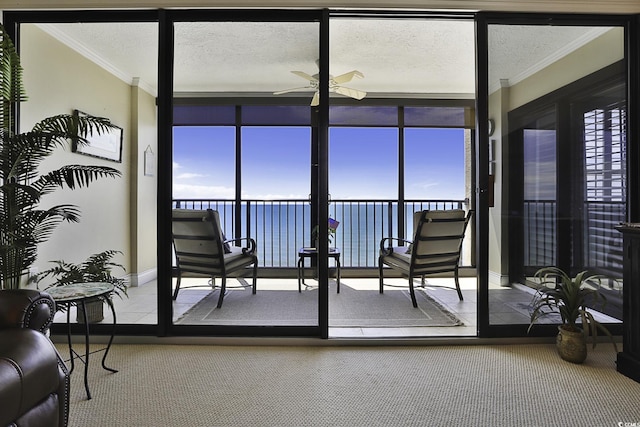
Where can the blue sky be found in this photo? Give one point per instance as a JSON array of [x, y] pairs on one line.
[[276, 163]]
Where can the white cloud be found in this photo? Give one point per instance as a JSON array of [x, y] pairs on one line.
[[176, 165], [187, 175], [274, 197], [425, 185], [182, 191]]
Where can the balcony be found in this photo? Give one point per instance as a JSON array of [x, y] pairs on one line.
[[280, 227]]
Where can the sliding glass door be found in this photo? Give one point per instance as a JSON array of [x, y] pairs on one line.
[[397, 147], [242, 146], [557, 96], [93, 67]]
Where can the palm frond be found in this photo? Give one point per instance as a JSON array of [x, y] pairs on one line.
[[44, 222], [73, 126], [73, 176], [11, 87], [96, 268], [19, 196]]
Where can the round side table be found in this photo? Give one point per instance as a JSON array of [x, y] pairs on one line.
[[77, 295]]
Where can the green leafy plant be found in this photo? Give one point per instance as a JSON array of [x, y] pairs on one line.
[[23, 223], [568, 296], [97, 268]]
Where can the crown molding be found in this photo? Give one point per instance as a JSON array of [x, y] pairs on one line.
[[557, 55], [92, 56]]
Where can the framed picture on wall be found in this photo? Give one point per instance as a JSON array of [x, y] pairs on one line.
[[106, 145]]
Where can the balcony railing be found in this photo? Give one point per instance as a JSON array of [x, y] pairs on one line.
[[281, 227], [601, 243]]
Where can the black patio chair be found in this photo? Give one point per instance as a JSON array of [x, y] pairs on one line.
[[435, 249], [201, 249]]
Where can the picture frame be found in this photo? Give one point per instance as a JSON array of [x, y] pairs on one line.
[[106, 146]]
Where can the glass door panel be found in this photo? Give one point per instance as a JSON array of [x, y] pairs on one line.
[[396, 148], [279, 207], [88, 67], [435, 163], [559, 149], [539, 187], [362, 181], [242, 147]]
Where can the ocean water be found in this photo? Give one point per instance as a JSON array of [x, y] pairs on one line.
[[281, 228]]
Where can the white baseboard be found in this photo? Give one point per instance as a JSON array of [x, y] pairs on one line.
[[496, 278], [137, 279]]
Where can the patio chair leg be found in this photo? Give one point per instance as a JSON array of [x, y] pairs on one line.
[[380, 275], [222, 290], [458, 285], [255, 276], [175, 293], [413, 293]]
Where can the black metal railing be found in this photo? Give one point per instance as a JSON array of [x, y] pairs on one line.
[[280, 227]]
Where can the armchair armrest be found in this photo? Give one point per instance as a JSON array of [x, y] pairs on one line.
[[388, 248], [26, 308], [249, 248]]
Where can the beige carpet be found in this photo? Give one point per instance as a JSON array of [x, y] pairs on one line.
[[497, 385]]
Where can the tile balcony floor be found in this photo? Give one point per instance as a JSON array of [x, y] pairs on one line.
[[507, 306]]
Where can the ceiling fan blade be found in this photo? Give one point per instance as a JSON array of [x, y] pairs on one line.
[[295, 89], [346, 77], [305, 76], [352, 93], [316, 99]]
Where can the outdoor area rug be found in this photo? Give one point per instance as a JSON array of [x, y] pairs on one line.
[[349, 308]]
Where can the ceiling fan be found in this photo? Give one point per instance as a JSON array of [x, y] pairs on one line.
[[335, 85]]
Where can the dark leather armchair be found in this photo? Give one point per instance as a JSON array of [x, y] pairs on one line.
[[34, 380]]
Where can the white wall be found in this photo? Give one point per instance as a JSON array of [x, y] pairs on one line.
[[144, 187]]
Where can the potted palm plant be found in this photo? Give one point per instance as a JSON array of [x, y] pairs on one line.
[[568, 296], [24, 224], [97, 268]]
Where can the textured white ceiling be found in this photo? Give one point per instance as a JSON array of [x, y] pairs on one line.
[[431, 57]]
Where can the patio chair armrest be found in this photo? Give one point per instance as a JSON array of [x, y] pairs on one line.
[[250, 246], [388, 248]]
